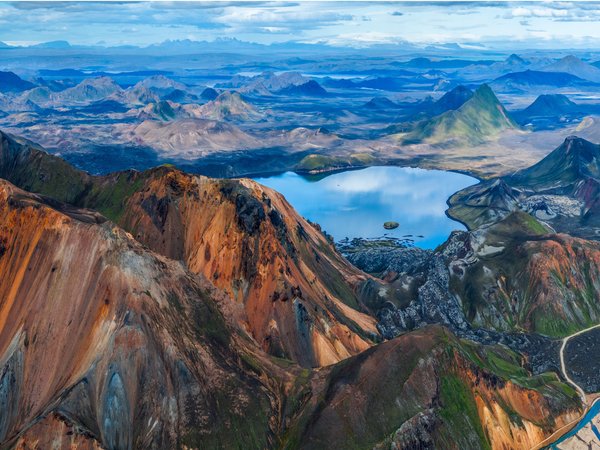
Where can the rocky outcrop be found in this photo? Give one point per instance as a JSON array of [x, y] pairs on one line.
[[248, 241]]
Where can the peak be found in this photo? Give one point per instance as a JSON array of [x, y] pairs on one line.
[[484, 89], [514, 58], [571, 58], [484, 93], [576, 140]]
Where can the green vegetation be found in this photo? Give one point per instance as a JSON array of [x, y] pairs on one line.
[[318, 162], [459, 413], [477, 120], [110, 197]]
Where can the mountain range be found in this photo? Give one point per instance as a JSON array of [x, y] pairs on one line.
[[219, 316]]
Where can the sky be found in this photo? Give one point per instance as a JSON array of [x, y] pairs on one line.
[[345, 23]]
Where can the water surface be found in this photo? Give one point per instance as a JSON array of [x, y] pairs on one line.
[[356, 203]]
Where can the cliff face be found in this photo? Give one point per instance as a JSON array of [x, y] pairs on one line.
[[294, 290], [98, 331]]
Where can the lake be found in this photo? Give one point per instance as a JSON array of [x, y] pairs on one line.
[[356, 203]]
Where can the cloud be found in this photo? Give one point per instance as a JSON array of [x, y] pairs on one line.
[[575, 12]]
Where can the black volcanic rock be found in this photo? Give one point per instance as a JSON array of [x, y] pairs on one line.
[[11, 82]]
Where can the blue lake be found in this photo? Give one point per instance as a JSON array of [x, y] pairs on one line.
[[356, 203]]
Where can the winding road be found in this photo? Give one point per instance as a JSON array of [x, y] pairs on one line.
[[558, 433], [563, 366]]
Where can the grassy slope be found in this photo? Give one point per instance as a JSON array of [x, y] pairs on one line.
[[474, 122]]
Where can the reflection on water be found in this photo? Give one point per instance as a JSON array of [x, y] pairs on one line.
[[357, 203]]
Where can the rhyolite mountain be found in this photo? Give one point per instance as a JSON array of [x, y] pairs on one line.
[[151, 338], [478, 119], [295, 293]]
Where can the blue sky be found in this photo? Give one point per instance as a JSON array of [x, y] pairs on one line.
[[353, 23]]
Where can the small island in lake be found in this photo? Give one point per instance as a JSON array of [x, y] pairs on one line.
[[390, 225]]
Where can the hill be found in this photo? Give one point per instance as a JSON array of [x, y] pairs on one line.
[[532, 78], [190, 138], [451, 100], [229, 106], [575, 66], [381, 103], [550, 105], [477, 120], [11, 82], [309, 89], [573, 161]]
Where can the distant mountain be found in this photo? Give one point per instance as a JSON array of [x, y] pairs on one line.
[[477, 120], [156, 88], [229, 106], [516, 60], [265, 83], [88, 91], [209, 94], [426, 63], [338, 83], [452, 99], [52, 45], [529, 78], [179, 96], [575, 160], [162, 110], [382, 103], [383, 83], [160, 83], [548, 106], [575, 66], [309, 89], [11, 82]]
